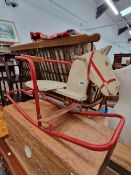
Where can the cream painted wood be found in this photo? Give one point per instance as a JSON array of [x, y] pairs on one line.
[[77, 82], [104, 66], [46, 85]]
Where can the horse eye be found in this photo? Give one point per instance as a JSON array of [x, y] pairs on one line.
[[106, 63]]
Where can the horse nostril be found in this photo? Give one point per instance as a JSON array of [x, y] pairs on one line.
[[117, 87]]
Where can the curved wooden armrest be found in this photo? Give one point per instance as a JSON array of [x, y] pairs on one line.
[[65, 41]]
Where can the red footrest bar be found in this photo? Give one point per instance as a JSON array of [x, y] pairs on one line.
[[61, 112]]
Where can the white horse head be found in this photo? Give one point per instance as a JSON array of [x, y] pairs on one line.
[[99, 71]]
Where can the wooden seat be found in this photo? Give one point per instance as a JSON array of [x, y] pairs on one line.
[[46, 85]]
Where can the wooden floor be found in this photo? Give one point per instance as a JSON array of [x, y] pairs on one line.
[[121, 155]]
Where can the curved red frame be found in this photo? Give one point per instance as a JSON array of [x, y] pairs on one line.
[[49, 129]]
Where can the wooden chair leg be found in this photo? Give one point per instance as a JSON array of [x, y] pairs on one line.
[[107, 159], [104, 102], [1, 94], [4, 166]]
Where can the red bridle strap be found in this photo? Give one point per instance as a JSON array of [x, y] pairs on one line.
[[91, 63], [107, 82]]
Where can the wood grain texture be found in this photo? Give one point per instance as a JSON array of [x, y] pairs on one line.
[[110, 172], [3, 125], [70, 40], [12, 162], [51, 155], [122, 156]]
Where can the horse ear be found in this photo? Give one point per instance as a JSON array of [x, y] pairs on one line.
[[105, 50], [76, 57]]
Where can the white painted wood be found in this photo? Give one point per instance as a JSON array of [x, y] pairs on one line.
[[46, 85], [123, 105]]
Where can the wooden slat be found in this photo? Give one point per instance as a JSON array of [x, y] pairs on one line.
[[70, 40]]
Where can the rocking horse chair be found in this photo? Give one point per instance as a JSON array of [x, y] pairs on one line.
[[78, 79], [74, 89]]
